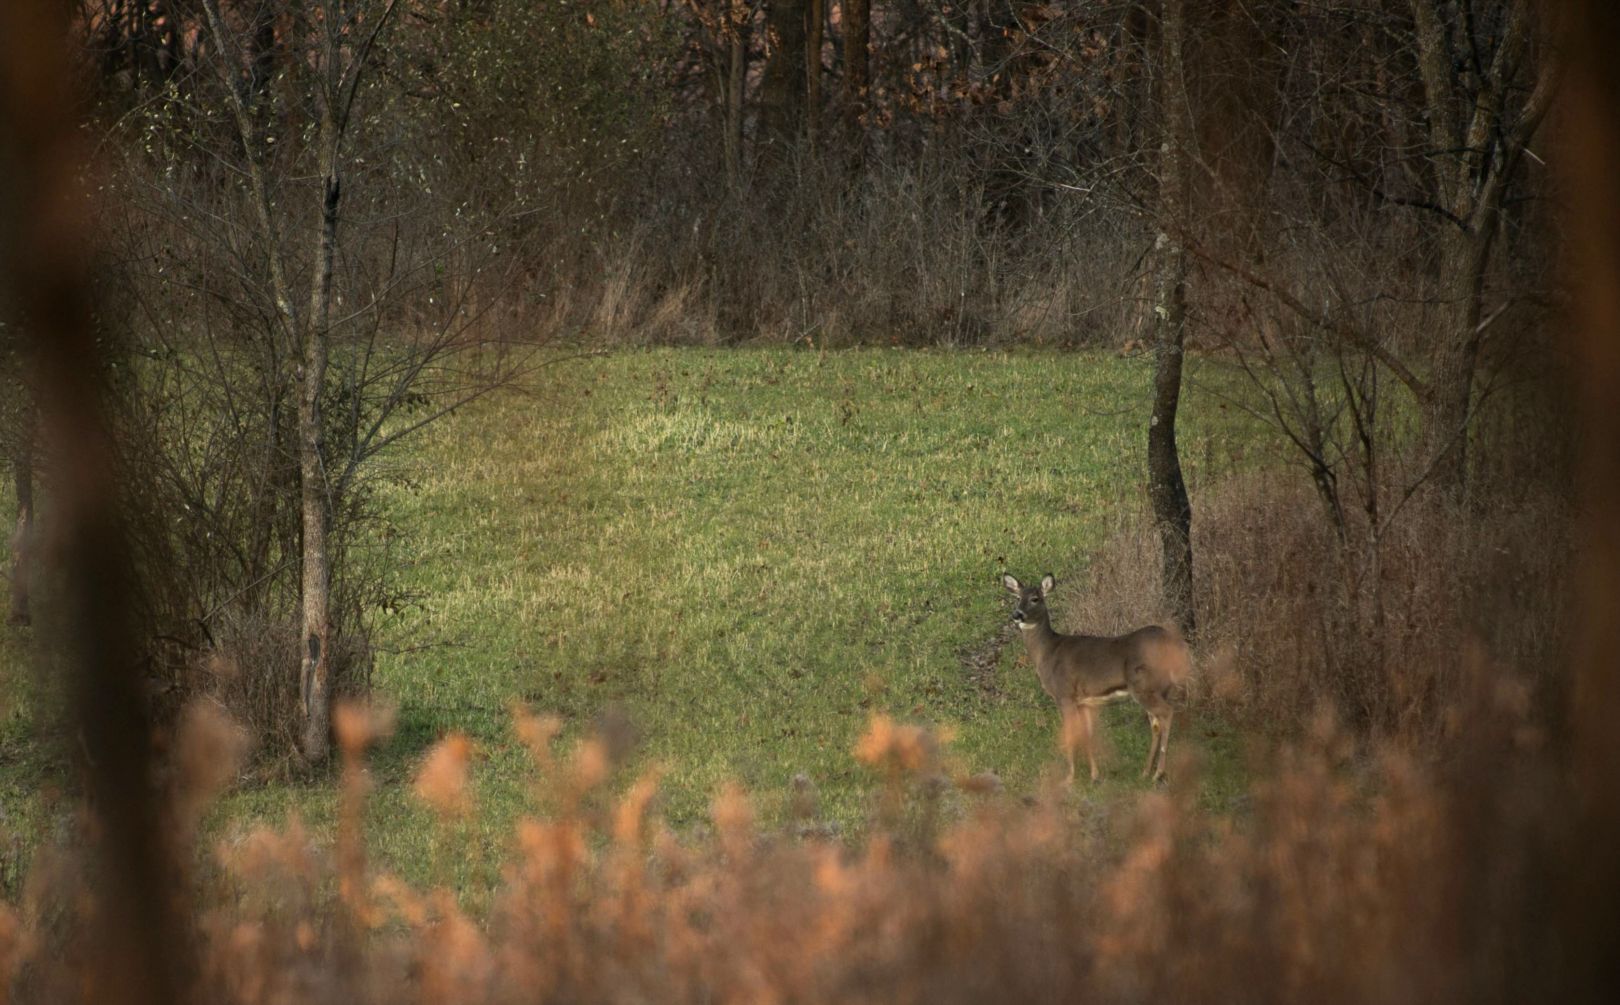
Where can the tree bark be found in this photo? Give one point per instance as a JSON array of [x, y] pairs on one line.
[[1449, 406], [310, 332], [781, 96], [338, 68], [1167, 490], [857, 25], [1237, 88], [815, 21], [1477, 136], [315, 498], [736, 80]]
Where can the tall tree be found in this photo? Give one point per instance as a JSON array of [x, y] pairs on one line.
[[338, 58], [1167, 490], [739, 15], [1410, 134], [815, 23], [857, 24], [782, 91], [1485, 97], [334, 245]]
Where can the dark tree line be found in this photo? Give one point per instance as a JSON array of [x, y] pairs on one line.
[[1343, 193]]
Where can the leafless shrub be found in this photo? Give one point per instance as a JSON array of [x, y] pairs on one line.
[[249, 670]]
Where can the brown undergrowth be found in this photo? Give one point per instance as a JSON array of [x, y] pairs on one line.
[[1404, 881], [1294, 619]]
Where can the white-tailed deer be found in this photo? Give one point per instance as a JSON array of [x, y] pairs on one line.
[[1081, 672]]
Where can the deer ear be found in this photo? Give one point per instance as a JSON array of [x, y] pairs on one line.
[[1011, 583], [1047, 582]]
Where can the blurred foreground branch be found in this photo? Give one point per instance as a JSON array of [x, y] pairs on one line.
[[46, 242], [1593, 138]]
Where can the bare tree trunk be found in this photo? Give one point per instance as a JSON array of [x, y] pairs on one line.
[[1479, 126], [736, 80], [857, 25], [22, 540], [781, 92], [1449, 407], [815, 21], [262, 54], [1237, 89], [339, 65], [1167, 490], [315, 500], [310, 331]]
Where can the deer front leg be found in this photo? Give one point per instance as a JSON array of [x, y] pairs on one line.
[[1070, 738], [1164, 745], [1153, 744]]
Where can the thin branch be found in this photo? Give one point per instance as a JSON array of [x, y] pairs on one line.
[[1350, 332]]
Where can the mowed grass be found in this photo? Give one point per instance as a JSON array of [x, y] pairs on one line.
[[746, 554]]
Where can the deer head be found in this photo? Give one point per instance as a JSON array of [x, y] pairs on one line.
[[1030, 610]]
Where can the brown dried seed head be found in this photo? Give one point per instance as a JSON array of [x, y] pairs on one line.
[[442, 780], [209, 747], [359, 725]]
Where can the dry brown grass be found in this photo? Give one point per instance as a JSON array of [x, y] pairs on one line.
[[1405, 883], [1293, 620], [910, 254]]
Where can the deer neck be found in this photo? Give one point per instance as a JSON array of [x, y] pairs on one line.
[[1039, 640]]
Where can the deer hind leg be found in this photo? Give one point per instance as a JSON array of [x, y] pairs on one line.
[[1164, 743], [1070, 739], [1153, 744]]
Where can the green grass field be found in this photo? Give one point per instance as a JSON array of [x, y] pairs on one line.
[[748, 552]]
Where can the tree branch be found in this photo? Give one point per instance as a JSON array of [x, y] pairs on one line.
[[1351, 333]]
